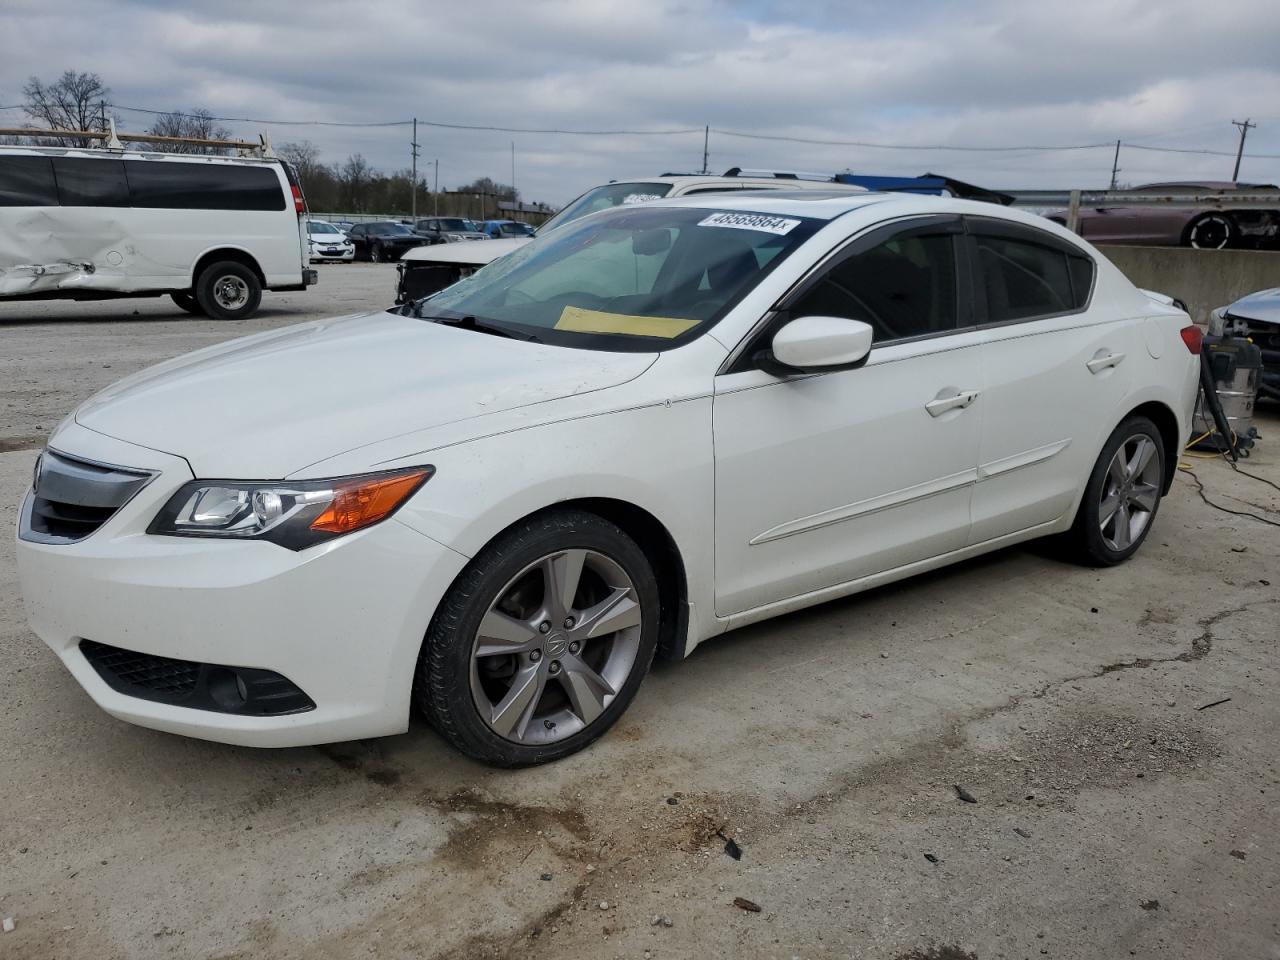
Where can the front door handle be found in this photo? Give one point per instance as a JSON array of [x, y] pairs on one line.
[[955, 401], [1104, 361]]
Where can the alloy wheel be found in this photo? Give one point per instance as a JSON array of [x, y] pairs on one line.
[[1130, 492], [555, 647]]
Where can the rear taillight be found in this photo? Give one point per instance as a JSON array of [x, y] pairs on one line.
[[1192, 337], [298, 205]]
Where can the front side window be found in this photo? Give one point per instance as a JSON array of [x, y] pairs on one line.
[[27, 182], [631, 279], [904, 287], [1023, 280], [169, 184]]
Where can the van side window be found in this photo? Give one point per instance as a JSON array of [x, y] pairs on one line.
[[1024, 280], [27, 182], [203, 186], [905, 287], [91, 183]]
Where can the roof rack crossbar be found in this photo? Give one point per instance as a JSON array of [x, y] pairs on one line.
[[115, 140]]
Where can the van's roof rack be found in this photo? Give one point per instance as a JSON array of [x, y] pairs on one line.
[[779, 174], [111, 140]]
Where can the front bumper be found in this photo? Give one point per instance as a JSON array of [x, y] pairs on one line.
[[343, 621], [322, 255]]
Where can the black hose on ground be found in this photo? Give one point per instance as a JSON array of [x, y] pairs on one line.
[[1214, 404]]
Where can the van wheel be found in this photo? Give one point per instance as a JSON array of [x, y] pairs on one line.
[[188, 302], [1122, 496], [228, 291], [542, 642]]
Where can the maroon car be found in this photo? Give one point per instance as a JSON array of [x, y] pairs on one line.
[[1210, 228]]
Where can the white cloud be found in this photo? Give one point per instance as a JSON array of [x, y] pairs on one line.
[[1010, 72]]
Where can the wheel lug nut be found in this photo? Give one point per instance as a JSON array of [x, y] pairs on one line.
[[568, 623], [535, 655], [575, 647], [555, 666], [544, 626]]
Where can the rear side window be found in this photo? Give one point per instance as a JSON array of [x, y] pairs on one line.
[[905, 287], [1024, 280], [91, 183], [204, 186], [27, 182]]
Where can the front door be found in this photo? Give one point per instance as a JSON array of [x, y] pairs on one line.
[[828, 478]]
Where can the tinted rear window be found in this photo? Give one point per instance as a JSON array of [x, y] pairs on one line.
[[27, 182], [204, 186], [1023, 280], [91, 183]]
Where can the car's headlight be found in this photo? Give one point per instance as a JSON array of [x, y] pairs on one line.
[[454, 236], [294, 515]]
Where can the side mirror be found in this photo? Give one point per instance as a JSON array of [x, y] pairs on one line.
[[817, 345]]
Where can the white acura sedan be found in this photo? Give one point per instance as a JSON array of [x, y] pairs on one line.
[[646, 428]]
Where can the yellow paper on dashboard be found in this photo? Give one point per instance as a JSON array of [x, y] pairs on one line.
[[581, 320]]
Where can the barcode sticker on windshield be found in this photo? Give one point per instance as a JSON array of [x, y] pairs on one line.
[[751, 221], [640, 197]]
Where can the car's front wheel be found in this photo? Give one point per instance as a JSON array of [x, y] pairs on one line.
[[542, 641], [1122, 496]]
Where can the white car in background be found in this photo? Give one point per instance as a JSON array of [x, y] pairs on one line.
[[425, 270], [327, 242], [639, 431]]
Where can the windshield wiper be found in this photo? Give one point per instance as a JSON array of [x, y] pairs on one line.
[[469, 322]]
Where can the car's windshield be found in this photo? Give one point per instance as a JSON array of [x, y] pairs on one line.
[[602, 198], [515, 230], [389, 229], [629, 279], [454, 223], [318, 227]]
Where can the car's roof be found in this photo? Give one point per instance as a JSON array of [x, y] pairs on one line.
[[823, 205]]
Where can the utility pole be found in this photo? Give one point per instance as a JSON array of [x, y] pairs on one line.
[[1244, 131], [102, 114], [513, 169], [435, 192], [413, 185], [706, 137], [1115, 166]]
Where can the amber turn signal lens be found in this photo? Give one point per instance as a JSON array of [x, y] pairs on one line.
[[362, 502]]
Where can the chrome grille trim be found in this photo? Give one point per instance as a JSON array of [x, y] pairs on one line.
[[72, 497]]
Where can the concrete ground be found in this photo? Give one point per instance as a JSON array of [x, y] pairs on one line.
[[1116, 814]]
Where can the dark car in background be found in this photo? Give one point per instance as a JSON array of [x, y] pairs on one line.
[[383, 240], [448, 229], [1207, 228], [500, 229]]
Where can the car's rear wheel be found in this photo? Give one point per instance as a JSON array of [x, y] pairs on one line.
[[187, 302], [542, 641], [1122, 496], [228, 291], [1211, 231]]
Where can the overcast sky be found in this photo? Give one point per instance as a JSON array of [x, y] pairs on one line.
[[1166, 73]]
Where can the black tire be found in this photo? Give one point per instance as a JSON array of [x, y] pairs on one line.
[[376, 253], [228, 290], [1211, 231], [188, 302], [1087, 540], [442, 682]]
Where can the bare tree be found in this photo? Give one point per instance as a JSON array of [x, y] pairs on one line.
[[72, 102], [353, 181], [196, 124]]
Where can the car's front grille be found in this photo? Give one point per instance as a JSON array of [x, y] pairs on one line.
[[200, 686], [71, 498]]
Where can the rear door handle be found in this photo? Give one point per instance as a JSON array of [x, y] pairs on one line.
[[955, 401], [1103, 361]]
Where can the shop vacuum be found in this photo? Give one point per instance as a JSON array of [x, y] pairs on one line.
[[1230, 364]]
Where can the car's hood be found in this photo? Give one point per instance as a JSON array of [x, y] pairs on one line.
[[266, 406], [1263, 307], [475, 254]]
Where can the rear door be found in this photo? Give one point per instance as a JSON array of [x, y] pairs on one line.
[[1055, 374]]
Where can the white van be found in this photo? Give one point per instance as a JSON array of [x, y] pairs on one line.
[[212, 232]]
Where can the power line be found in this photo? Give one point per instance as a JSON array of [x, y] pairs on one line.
[[910, 146]]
